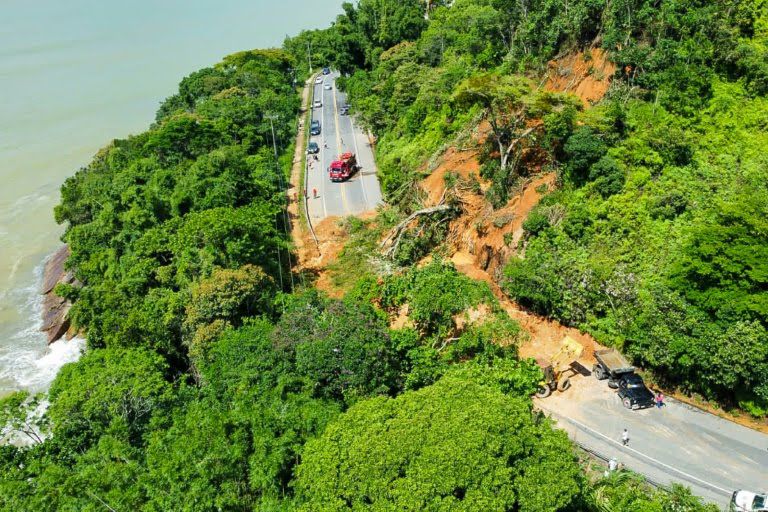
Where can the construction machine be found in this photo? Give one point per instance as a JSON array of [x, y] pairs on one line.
[[559, 369]]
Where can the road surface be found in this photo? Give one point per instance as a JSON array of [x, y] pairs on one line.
[[339, 134], [677, 443]]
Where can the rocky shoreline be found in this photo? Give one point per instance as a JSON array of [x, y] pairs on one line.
[[55, 314]]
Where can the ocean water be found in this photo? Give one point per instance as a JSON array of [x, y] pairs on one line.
[[73, 76]]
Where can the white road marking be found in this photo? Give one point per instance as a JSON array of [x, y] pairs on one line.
[[322, 158], [339, 148], [628, 448], [357, 152]]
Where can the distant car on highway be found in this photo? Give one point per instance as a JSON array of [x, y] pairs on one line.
[[328, 87], [326, 71], [319, 80], [633, 392], [313, 148], [317, 104], [344, 110], [314, 128], [746, 501]]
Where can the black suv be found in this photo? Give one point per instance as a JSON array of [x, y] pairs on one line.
[[633, 392], [313, 148], [326, 71], [314, 128]]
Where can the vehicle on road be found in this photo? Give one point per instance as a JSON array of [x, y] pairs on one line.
[[343, 168], [746, 501], [319, 80], [344, 110], [317, 104], [326, 71], [314, 128], [611, 365], [633, 392], [560, 368], [327, 87], [313, 148]]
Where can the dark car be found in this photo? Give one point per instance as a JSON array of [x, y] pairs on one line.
[[313, 148], [633, 392], [326, 71], [314, 128]]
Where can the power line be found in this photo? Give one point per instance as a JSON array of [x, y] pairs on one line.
[[284, 205]]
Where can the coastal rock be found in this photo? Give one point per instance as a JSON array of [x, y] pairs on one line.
[[54, 270], [55, 308]]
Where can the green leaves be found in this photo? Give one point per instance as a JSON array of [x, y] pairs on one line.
[[724, 265], [455, 445], [343, 348], [434, 294], [108, 390]]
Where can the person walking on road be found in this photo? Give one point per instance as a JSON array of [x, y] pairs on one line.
[[625, 437], [314, 193], [659, 399]]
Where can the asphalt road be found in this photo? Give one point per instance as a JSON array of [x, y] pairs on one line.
[[676, 443], [339, 134]]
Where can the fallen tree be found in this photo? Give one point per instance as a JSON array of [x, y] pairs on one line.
[[390, 244]]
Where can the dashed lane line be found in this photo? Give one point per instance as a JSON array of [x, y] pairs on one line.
[[338, 146]]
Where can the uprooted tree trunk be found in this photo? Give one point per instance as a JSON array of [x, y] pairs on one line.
[[394, 237], [506, 149]]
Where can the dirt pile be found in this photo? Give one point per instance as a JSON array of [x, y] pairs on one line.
[[586, 74], [315, 257], [545, 335]]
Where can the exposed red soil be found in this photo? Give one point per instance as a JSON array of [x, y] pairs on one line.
[[544, 335], [481, 240], [315, 258], [586, 74]]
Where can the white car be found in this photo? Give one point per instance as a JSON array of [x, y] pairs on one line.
[[327, 87], [746, 501], [319, 80], [317, 104]]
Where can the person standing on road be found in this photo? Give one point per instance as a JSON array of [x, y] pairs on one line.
[[625, 437], [659, 399], [314, 196]]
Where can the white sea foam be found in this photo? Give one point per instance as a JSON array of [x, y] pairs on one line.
[[26, 361], [38, 374]]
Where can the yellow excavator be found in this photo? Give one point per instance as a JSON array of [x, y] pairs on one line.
[[560, 368]]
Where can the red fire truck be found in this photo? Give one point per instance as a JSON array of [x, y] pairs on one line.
[[343, 168]]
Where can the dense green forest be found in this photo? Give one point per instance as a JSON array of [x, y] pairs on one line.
[[217, 378]]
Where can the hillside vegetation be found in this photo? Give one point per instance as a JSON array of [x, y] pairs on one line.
[[217, 378], [655, 240]]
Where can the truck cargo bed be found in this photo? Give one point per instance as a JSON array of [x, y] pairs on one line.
[[613, 361]]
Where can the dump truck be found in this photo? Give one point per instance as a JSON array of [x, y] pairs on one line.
[[343, 168], [632, 391], [611, 365], [560, 368]]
